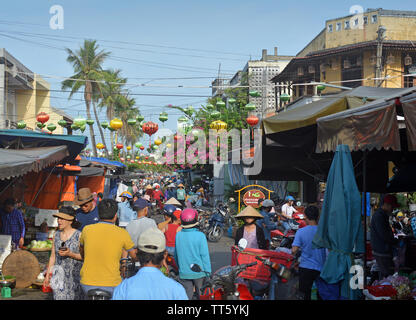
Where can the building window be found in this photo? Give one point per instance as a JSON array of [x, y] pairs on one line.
[[356, 22], [365, 19], [338, 26], [346, 25], [374, 18], [329, 27], [351, 70]]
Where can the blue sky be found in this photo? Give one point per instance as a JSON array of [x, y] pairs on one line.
[[223, 32]]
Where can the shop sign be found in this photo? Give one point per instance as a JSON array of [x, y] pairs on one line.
[[252, 197]]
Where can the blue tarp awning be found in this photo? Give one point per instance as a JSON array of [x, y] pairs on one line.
[[22, 139], [104, 161]]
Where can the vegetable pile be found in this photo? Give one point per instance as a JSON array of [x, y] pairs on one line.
[[40, 244]]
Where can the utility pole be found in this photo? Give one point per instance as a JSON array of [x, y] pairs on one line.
[[379, 65]]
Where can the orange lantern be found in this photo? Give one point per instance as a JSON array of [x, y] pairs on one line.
[[119, 146]]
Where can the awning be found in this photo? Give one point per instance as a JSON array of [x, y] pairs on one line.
[[307, 115], [22, 139], [372, 126], [18, 162]]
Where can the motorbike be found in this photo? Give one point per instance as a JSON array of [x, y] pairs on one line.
[[216, 223]]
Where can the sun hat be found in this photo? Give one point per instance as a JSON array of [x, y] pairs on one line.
[[65, 215], [152, 241], [249, 212], [126, 194], [84, 195], [181, 185], [174, 202]]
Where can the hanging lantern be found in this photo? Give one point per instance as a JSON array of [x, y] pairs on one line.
[[408, 60], [51, 127], [218, 125], [168, 145], [189, 111], [209, 106], [100, 146], [128, 148], [40, 125], [79, 121], [158, 142], [122, 159], [131, 122], [163, 116], [250, 107], [119, 146], [254, 94], [146, 157], [62, 123], [104, 124], [21, 125], [215, 114], [128, 157], [82, 128], [139, 118], [155, 147], [232, 101], [74, 127], [42, 117], [138, 144], [111, 129], [182, 119], [284, 97], [252, 121], [141, 148], [220, 104], [137, 157], [90, 122], [320, 87], [116, 124]]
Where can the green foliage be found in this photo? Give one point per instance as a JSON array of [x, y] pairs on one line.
[[411, 197]]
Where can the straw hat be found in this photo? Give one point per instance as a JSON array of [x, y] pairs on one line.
[[148, 187], [180, 185], [174, 202], [249, 212], [84, 195], [66, 213]]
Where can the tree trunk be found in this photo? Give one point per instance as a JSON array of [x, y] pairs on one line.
[[87, 97], [99, 128]]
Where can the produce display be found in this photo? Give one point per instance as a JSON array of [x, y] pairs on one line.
[[403, 287], [47, 244]]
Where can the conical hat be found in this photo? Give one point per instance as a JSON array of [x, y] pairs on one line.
[[250, 212], [174, 202], [149, 186]]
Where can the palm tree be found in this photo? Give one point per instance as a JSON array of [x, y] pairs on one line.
[[111, 94], [87, 63]]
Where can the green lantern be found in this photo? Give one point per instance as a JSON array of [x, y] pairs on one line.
[[104, 124], [51, 127], [250, 107], [74, 127], [62, 123], [215, 114], [131, 122], [209, 106], [138, 144], [82, 128], [220, 104], [163, 117], [21, 125], [79, 121], [320, 87], [254, 93], [111, 129], [284, 97], [232, 101], [183, 119], [155, 147], [90, 122], [139, 118], [40, 125]]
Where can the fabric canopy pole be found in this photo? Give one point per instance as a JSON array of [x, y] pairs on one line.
[[365, 214]]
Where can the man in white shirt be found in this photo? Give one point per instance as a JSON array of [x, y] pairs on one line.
[[287, 212]]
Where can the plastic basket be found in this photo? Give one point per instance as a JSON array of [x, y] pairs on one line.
[[258, 271]]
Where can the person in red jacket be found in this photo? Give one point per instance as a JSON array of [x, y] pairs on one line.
[[170, 231], [158, 196]]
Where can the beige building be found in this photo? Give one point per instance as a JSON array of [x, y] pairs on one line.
[[352, 50], [23, 95]]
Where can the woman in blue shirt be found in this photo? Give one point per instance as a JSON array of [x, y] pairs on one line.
[[125, 211]]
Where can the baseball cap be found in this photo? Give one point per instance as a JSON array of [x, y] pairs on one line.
[[141, 204], [391, 199], [152, 241]]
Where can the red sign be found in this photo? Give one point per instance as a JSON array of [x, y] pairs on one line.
[[251, 198]]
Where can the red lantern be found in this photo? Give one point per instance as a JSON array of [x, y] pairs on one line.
[[150, 128], [146, 158], [252, 121], [176, 137], [119, 146], [42, 117], [122, 159], [141, 148]]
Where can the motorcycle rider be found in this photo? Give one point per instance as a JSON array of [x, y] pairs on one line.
[[287, 212], [267, 223], [125, 211], [250, 230]]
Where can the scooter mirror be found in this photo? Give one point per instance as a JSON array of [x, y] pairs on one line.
[[298, 204], [195, 267], [242, 244]]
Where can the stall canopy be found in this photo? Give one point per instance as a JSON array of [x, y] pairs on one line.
[[373, 126], [18, 162], [22, 139]]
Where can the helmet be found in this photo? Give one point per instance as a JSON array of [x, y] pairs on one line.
[[169, 209], [177, 214], [400, 214], [126, 194], [189, 218], [267, 203], [288, 198]]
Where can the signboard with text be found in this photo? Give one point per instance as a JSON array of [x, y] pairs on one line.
[[251, 197]]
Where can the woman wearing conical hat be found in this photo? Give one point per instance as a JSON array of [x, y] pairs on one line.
[[250, 231]]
